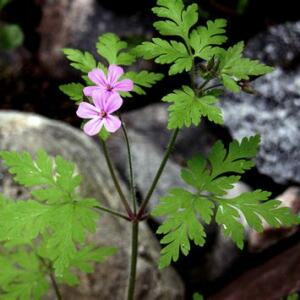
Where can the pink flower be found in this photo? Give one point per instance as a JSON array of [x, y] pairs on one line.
[[108, 84], [101, 113]]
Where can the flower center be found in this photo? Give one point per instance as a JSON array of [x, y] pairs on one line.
[[102, 114], [109, 88]]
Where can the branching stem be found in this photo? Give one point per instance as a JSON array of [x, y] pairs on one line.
[[115, 179]]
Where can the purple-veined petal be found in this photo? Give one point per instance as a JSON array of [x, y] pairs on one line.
[[93, 126], [114, 73], [89, 90], [87, 111], [125, 85], [113, 103], [99, 100], [98, 77], [111, 123]]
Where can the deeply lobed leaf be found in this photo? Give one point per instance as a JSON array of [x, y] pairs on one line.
[[187, 109], [183, 210], [166, 52], [82, 61], [110, 47]]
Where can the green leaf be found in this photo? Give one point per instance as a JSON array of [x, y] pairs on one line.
[[197, 296], [234, 67], [11, 36], [204, 40], [166, 52], [73, 90], [70, 224], [183, 210], [112, 48], [293, 296], [54, 181], [254, 207], [179, 21], [3, 3], [212, 175], [82, 61], [21, 277], [22, 221], [143, 79], [187, 108]]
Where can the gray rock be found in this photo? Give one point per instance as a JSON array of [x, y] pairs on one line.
[[77, 24], [30, 132], [274, 113], [278, 46]]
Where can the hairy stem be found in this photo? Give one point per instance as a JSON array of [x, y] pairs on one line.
[[112, 212], [134, 256], [158, 174], [115, 180], [132, 188]]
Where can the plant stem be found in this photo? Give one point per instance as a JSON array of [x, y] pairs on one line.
[[113, 212], [55, 286], [134, 256], [158, 174], [115, 180], [132, 189], [52, 278]]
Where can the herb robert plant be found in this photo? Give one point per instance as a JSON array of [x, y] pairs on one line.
[[44, 239]]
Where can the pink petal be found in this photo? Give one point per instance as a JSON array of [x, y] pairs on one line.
[[114, 73], [87, 111], [111, 123], [98, 77], [125, 85], [89, 90], [113, 103], [99, 100], [93, 126]]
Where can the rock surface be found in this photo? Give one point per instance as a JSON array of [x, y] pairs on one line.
[[278, 46], [77, 24], [273, 280], [275, 111], [29, 132]]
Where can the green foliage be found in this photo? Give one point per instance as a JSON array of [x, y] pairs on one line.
[[3, 3], [11, 36], [166, 52], [242, 6], [254, 207], [73, 90], [182, 209], [143, 79], [57, 220], [197, 296], [22, 277], [179, 21], [110, 47], [82, 61], [204, 39], [211, 179], [233, 67], [293, 296], [187, 108], [114, 51]]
